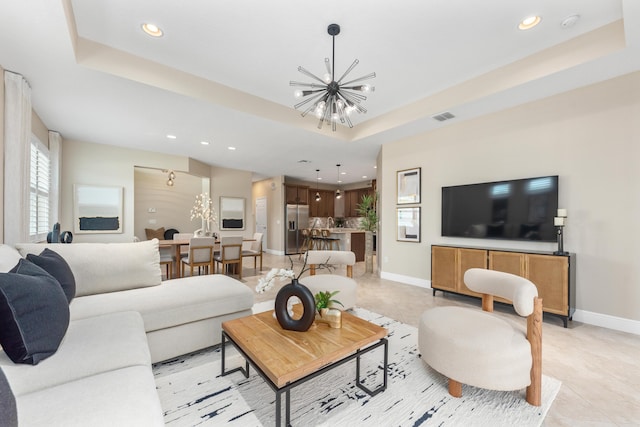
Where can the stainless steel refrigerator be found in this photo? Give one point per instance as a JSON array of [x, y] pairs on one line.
[[297, 219]]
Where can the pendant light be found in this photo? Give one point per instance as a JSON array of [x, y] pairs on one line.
[[317, 189], [338, 193]]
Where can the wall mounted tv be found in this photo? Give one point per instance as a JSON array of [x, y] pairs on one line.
[[521, 209]]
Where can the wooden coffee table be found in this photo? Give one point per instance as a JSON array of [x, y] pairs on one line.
[[286, 359]]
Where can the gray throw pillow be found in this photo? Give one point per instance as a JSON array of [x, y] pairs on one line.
[[8, 410], [53, 263], [34, 313]]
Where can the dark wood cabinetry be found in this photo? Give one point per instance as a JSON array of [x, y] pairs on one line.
[[553, 275], [325, 207], [297, 194], [352, 199]]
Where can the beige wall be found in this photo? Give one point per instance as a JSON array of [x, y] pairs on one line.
[[233, 183], [158, 205], [96, 164], [589, 137], [273, 190]]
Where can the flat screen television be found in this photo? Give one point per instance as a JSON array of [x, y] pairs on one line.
[[521, 209]]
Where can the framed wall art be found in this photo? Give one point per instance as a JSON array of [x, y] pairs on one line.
[[408, 223], [97, 209], [232, 213], [408, 186]]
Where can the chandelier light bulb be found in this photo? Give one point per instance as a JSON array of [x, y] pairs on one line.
[[297, 93], [342, 94]]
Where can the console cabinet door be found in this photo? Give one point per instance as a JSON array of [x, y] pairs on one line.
[[443, 268], [550, 274], [469, 258], [508, 262]]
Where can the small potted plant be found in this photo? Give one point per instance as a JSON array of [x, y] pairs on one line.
[[325, 313]]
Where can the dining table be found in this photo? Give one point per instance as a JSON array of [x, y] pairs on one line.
[[179, 243]]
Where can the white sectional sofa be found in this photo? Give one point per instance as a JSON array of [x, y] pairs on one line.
[[123, 318]]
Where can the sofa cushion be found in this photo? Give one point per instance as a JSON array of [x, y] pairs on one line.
[[154, 234], [107, 267], [7, 403], [34, 313], [123, 397], [55, 265], [9, 257], [175, 302], [91, 346]]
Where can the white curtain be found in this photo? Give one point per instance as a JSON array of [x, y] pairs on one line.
[[54, 191], [17, 148]]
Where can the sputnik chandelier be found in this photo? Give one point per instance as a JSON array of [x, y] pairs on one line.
[[332, 100]]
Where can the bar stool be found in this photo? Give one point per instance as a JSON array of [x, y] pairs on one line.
[[306, 241], [328, 241], [316, 239]]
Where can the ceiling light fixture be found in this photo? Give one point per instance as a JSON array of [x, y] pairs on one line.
[[152, 30], [169, 136], [204, 142], [529, 22], [338, 193], [172, 177], [231, 148], [317, 189], [331, 99]]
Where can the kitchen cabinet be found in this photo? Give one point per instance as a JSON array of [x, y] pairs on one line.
[[325, 207], [297, 194]]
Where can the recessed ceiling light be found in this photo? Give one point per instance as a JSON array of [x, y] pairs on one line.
[[152, 29], [343, 173], [169, 136], [529, 22], [231, 148], [204, 142], [364, 176]]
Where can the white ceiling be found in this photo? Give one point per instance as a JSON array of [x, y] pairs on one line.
[[221, 72]]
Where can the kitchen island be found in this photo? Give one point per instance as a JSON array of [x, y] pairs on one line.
[[350, 239]]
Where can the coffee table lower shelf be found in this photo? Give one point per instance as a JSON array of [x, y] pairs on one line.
[[287, 388]]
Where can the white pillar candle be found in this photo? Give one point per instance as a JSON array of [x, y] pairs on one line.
[[562, 213]]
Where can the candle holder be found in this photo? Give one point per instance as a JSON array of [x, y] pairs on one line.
[[560, 221]]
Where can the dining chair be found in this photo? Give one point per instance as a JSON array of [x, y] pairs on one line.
[[230, 253], [255, 250], [184, 251], [200, 254], [167, 258]]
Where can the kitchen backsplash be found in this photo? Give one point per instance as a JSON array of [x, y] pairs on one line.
[[324, 222]]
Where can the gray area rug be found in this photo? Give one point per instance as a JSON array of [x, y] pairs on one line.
[[192, 392]]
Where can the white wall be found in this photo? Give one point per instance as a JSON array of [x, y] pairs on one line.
[[589, 137]]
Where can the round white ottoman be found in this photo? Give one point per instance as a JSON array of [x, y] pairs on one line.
[[347, 287]]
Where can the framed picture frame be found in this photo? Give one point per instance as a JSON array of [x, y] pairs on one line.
[[408, 184], [97, 209], [408, 224], [232, 213]]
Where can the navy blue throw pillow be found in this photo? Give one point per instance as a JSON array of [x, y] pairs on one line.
[[34, 313], [8, 409], [53, 263]]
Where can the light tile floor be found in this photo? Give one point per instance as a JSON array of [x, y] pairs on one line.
[[599, 368]]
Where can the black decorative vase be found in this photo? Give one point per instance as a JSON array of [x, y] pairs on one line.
[[295, 289]]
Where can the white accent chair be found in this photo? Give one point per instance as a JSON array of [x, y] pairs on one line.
[[200, 254], [483, 350], [230, 253], [347, 287], [255, 250]]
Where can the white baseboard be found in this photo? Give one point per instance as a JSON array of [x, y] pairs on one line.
[[421, 283], [588, 317], [607, 321]]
